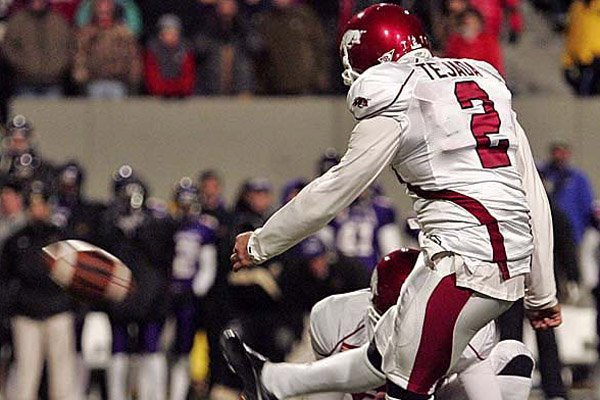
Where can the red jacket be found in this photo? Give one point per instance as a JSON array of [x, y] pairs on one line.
[[493, 14], [157, 85], [485, 47]]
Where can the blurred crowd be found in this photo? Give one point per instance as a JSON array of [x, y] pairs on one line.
[[114, 48], [178, 250]]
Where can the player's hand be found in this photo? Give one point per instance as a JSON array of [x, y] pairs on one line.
[[545, 318], [240, 257]]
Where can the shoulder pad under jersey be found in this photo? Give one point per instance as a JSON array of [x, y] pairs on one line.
[[380, 89]]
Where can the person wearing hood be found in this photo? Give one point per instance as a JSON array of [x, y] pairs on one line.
[[170, 68]]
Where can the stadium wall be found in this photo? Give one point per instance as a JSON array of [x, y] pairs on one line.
[[280, 138]]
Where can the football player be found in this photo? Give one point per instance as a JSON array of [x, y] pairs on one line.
[[341, 323], [79, 218], [192, 274], [367, 229], [145, 244], [19, 158], [447, 128]]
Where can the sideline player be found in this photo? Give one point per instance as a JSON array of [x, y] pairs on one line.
[[193, 273], [347, 321], [447, 129]]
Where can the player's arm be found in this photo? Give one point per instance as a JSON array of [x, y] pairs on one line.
[[372, 145], [540, 293]]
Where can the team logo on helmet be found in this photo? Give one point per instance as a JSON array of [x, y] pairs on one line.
[[351, 37], [387, 57]]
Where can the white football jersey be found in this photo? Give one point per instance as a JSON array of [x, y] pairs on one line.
[[340, 322], [457, 154], [447, 129]]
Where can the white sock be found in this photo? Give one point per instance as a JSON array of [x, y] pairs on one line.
[[117, 377], [480, 382], [180, 379], [347, 372], [152, 377], [514, 387], [83, 377]]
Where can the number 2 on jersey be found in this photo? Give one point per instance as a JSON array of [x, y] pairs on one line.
[[492, 152]]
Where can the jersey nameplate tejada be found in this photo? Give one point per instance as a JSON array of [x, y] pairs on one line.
[[448, 69]]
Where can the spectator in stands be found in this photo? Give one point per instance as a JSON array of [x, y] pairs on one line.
[[19, 158], [494, 13], [39, 48], [471, 41], [299, 69], [5, 8], [559, 10], [569, 188], [107, 60], [450, 20], [581, 58], [225, 46], [186, 10], [170, 68], [65, 8], [131, 15], [42, 319], [250, 8], [5, 81]]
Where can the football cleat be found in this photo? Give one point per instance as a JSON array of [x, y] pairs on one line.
[[247, 364]]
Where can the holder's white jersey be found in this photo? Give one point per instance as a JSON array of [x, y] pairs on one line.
[[447, 128], [340, 322]]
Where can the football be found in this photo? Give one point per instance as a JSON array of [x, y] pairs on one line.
[[88, 272]]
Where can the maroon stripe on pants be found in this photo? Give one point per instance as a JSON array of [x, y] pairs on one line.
[[478, 210], [437, 335]]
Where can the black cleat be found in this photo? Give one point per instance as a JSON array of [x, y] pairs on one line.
[[247, 364]]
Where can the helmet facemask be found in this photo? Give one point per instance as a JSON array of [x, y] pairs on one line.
[[349, 75], [351, 38]]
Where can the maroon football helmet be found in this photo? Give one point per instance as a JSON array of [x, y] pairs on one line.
[[379, 33], [389, 276]]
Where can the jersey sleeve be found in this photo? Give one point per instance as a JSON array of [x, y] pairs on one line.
[[540, 291], [372, 146], [381, 90]]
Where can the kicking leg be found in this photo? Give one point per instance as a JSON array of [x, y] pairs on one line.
[[351, 371], [347, 372]]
